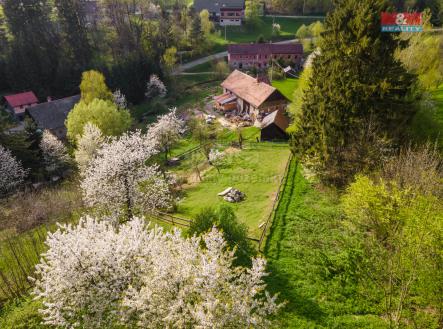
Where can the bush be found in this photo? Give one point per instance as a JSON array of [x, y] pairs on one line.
[[21, 314], [234, 232]]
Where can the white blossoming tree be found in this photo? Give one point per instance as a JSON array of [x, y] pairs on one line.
[[155, 87], [166, 131], [96, 275], [12, 173], [55, 154], [87, 145], [216, 159], [119, 99], [118, 178]]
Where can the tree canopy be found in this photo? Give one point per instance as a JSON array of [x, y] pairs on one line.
[[104, 114], [358, 97]]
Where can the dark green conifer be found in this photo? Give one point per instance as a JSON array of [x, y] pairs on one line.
[[359, 97]]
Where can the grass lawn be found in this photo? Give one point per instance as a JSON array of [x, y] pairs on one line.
[[205, 67], [286, 86], [187, 95], [242, 34], [256, 171], [307, 262], [428, 123]]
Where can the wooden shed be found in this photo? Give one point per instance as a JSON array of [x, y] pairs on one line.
[[274, 126]]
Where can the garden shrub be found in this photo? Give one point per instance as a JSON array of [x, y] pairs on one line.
[[234, 232]]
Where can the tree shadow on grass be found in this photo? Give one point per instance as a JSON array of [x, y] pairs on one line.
[[296, 303]]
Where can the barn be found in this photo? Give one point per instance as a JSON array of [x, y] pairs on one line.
[[273, 126]]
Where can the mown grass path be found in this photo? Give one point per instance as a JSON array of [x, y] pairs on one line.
[[309, 264]]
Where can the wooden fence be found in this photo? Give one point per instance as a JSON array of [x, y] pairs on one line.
[[246, 144], [275, 204], [170, 219]]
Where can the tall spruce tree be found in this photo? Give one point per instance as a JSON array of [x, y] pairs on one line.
[[359, 97]]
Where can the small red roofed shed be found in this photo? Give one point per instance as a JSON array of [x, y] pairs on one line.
[[18, 103]]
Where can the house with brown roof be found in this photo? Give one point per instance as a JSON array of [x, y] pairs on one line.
[[18, 103], [260, 55], [249, 96]]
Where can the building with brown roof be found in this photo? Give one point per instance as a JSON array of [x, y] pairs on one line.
[[260, 55], [273, 126], [248, 95]]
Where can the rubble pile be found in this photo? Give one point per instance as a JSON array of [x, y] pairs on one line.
[[232, 195]]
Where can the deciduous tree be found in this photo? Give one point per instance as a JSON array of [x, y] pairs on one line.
[[104, 114], [206, 25], [55, 153], [429, 68], [400, 231], [216, 159], [169, 58], [120, 99], [93, 86], [253, 12], [87, 145], [155, 87], [112, 180], [12, 173], [166, 131], [98, 275]]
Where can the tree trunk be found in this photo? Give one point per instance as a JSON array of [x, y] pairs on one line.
[[128, 201]]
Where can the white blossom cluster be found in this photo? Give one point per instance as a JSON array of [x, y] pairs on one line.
[[120, 99], [118, 177], [166, 131], [276, 27], [97, 275], [12, 173], [215, 156], [55, 154], [155, 87], [87, 145]]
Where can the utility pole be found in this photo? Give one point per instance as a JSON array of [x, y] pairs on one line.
[[272, 68], [225, 32]]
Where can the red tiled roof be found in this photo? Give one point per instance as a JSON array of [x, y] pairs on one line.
[[265, 48], [21, 99]]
